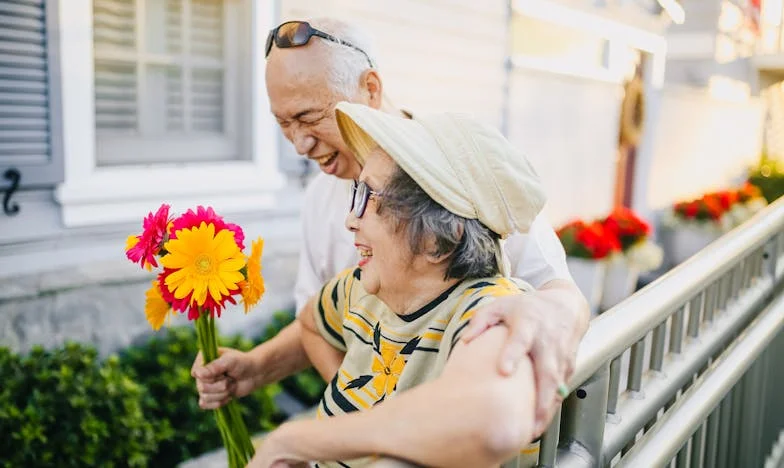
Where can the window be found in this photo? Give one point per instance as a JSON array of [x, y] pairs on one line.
[[168, 74], [29, 137]]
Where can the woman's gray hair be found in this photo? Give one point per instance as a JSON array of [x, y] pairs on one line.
[[470, 244], [346, 64]]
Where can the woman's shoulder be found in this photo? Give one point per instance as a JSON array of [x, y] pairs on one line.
[[496, 285]]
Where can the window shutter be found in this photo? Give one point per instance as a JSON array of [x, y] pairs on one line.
[[25, 113], [207, 81], [115, 82]]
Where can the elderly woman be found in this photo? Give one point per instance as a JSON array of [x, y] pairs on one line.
[[434, 199]]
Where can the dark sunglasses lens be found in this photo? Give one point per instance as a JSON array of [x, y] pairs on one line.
[[293, 34], [361, 199], [353, 195], [270, 38]]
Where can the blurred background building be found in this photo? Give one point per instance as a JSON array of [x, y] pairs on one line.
[[110, 107]]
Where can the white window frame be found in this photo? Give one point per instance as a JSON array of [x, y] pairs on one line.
[[94, 195]]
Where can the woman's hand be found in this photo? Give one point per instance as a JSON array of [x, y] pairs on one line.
[[233, 374], [276, 451]]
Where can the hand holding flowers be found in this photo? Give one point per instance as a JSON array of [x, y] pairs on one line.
[[204, 268]]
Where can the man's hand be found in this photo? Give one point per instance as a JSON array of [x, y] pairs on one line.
[[235, 374], [232, 375], [547, 326]]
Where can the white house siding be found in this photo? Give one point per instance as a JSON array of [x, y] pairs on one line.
[[700, 143], [434, 55], [568, 127]]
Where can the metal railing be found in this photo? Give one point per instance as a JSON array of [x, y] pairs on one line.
[[682, 371]]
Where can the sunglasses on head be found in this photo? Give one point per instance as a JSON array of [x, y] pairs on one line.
[[360, 194], [298, 33]]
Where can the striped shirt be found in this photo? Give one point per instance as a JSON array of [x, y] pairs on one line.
[[388, 353]]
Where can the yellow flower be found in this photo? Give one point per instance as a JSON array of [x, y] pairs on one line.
[[155, 307], [204, 263], [253, 287], [131, 242], [387, 369]]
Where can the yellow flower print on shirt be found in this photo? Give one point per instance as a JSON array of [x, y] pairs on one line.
[[387, 369]]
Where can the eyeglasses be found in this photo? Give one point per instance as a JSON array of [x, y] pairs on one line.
[[298, 33], [360, 194]]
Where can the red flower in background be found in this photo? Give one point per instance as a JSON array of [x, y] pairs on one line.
[[627, 227], [709, 207], [748, 192], [588, 240], [725, 198]]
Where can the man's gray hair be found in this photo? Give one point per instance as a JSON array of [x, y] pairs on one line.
[[470, 244], [346, 64]]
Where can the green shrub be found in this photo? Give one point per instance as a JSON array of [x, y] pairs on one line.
[[163, 365], [65, 408], [769, 177], [306, 386]]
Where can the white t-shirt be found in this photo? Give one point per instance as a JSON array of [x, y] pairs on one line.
[[328, 248]]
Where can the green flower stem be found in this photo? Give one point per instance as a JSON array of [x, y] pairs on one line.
[[234, 434]]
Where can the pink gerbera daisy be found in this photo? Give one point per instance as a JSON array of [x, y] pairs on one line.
[[191, 219], [147, 245]]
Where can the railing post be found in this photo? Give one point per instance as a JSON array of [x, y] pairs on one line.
[[722, 457], [770, 257], [585, 413], [676, 332], [549, 443], [712, 437]]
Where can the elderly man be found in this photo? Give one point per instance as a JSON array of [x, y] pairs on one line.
[[311, 67]]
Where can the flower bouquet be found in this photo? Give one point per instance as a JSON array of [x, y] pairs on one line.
[[203, 269], [587, 246], [638, 254]]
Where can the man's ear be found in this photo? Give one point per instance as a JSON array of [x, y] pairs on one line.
[[371, 83]]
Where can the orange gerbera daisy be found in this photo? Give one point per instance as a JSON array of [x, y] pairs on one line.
[[155, 307], [253, 286]]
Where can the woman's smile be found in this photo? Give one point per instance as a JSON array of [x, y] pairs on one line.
[[365, 254]]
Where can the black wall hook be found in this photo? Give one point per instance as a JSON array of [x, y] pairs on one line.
[[14, 176]]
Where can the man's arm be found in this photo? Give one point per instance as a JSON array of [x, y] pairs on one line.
[[469, 416], [324, 357], [546, 325], [236, 374]]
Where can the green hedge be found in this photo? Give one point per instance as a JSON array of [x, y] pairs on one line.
[[65, 408], [769, 177], [68, 408], [163, 366]]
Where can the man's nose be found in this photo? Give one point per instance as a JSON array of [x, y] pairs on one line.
[[303, 142]]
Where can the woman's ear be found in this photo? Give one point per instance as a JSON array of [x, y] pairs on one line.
[[439, 259]]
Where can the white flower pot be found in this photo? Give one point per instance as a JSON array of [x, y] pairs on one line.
[[589, 275], [685, 240], [619, 283]]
